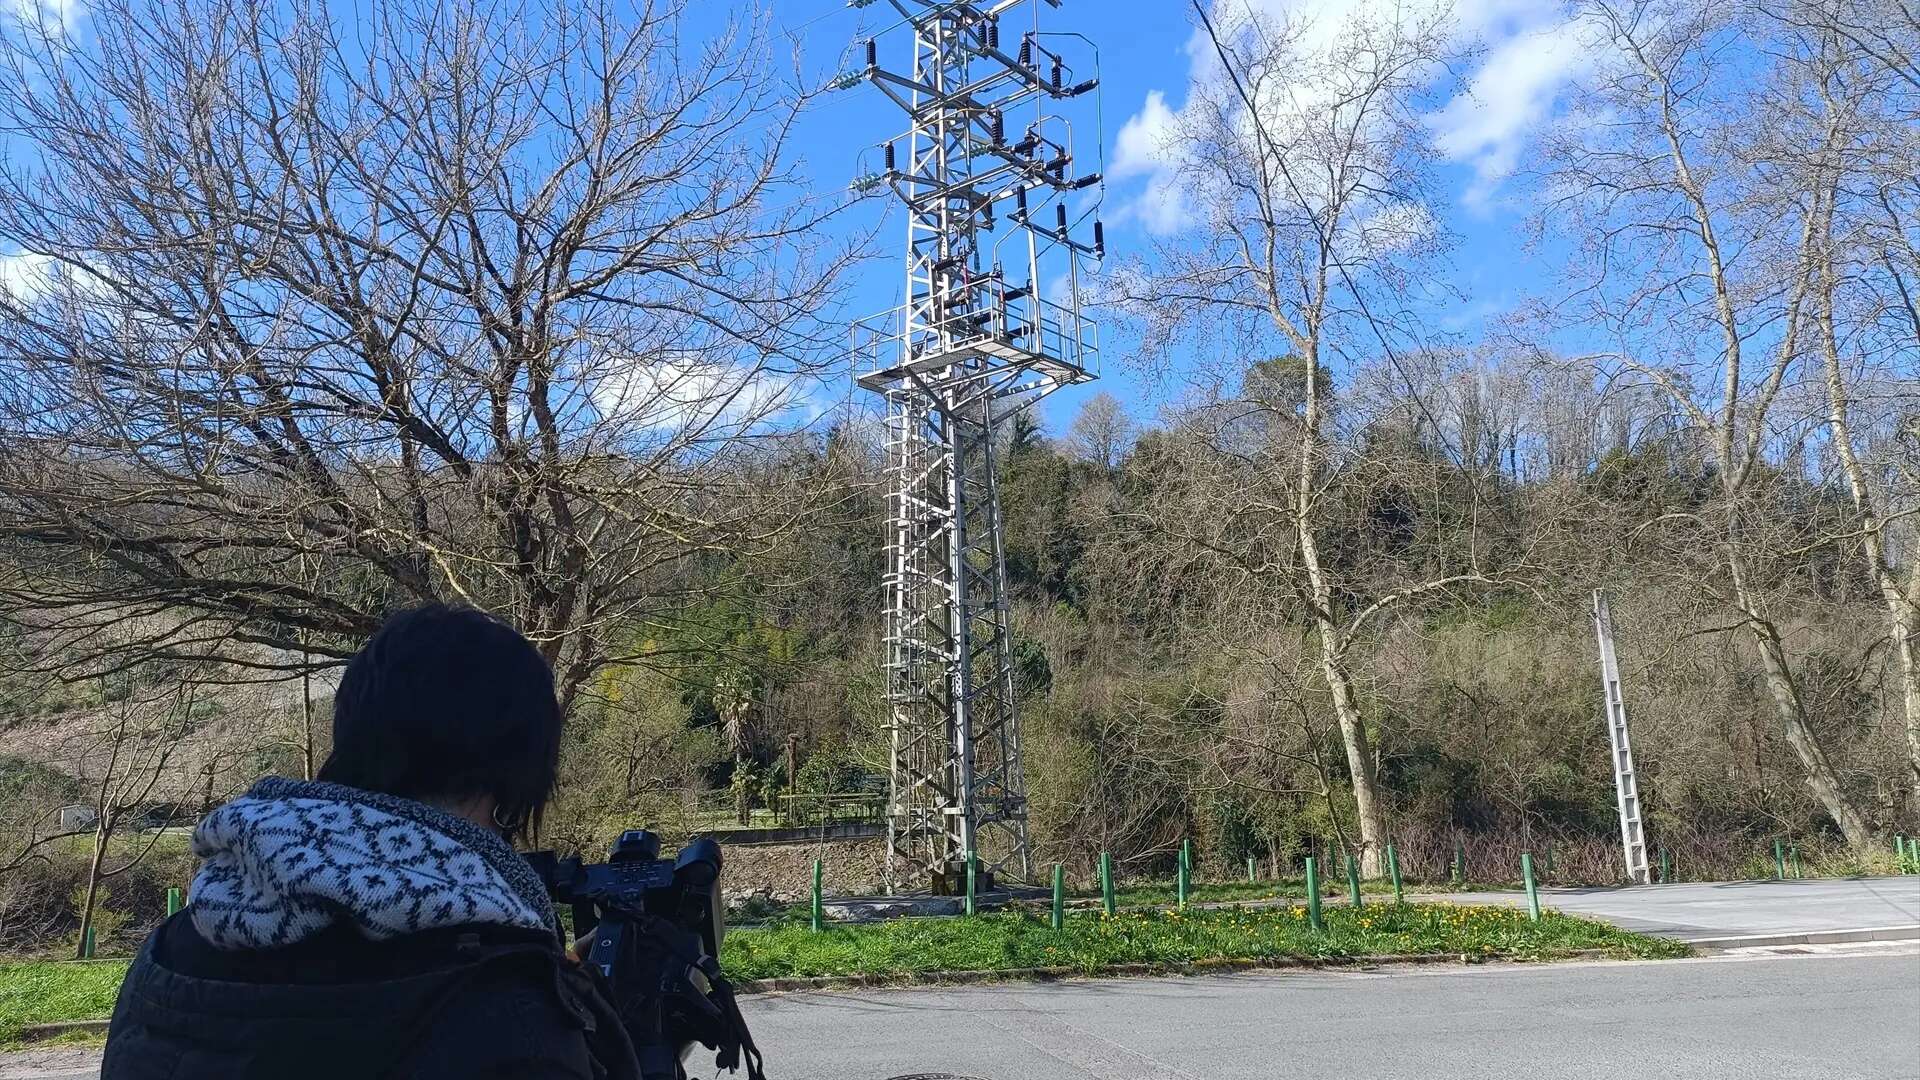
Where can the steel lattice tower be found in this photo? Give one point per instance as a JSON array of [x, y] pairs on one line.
[[988, 139]]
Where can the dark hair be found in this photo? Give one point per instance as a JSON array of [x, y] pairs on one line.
[[449, 703]]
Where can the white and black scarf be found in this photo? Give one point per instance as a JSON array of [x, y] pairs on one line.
[[290, 858]]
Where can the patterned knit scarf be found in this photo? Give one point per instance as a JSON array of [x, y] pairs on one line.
[[289, 859]]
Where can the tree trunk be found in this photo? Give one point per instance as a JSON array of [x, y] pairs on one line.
[[1906, 644], [306, 711], [1366, 785], [101, 831], [1333, 665], [1903, 605], [1818, 770]]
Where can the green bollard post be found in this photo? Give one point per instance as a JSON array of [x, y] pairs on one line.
[[1459, 862], [1353, 880], [1106, 882], [1059, 897], [173, 902], [1797, 872], [1780, 860], [973, 871], [1393, 868], [1180, 884], [819, 921], [1250, 872], [1313, 895], [1533, 892], [1547, 866], [1666, 868], [86, 944]]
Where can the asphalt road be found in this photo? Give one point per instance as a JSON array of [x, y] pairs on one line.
[[1831, 1013], [1721, 909], [1851, 1016]]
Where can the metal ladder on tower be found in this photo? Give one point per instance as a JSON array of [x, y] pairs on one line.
[[1633, 837]]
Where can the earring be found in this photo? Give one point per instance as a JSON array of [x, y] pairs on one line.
[[509, 827]]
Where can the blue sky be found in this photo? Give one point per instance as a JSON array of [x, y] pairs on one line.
[[1524, 59], [1521, 59]]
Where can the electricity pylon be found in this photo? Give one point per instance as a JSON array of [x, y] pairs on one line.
[[992, 322]]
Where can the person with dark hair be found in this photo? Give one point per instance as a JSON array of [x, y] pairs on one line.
[[377, 922]]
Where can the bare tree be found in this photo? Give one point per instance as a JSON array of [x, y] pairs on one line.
[[1706, 283], [475, 303], [1102, 431], [126, 757], [1304, 159], [1844, 131]]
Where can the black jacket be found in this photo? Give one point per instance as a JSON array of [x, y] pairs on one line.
[[464, 1003]]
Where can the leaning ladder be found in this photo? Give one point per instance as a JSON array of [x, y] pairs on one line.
[[1633, 837]]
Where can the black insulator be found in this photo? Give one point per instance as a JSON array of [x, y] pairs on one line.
[[1061, 217], [999, 127], [1026, 51], [1086, 181], [993, 34], [1099, 239], [1059, 76], [1083, 87], [889, 157], [873, 53], [1020, 199]]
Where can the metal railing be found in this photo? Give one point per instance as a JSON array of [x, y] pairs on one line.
[[988, 319]]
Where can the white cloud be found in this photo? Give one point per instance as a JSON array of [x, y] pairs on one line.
[[54, 18], [1145, 148], [1510, 97], [1142, 146], [1531, 53], [1162, 207], [26, 275], [690, 392]]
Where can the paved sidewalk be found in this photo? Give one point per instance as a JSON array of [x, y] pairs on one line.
[[1695, 911], [77, 1063]]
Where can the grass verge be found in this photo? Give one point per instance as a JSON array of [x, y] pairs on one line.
[[1218, 892], [40, 993], [46, 993], [1091, 943]]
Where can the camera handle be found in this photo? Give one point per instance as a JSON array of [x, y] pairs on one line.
[[721, 1026]]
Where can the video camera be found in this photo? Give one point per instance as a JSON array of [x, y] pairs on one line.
[[657, 927]]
